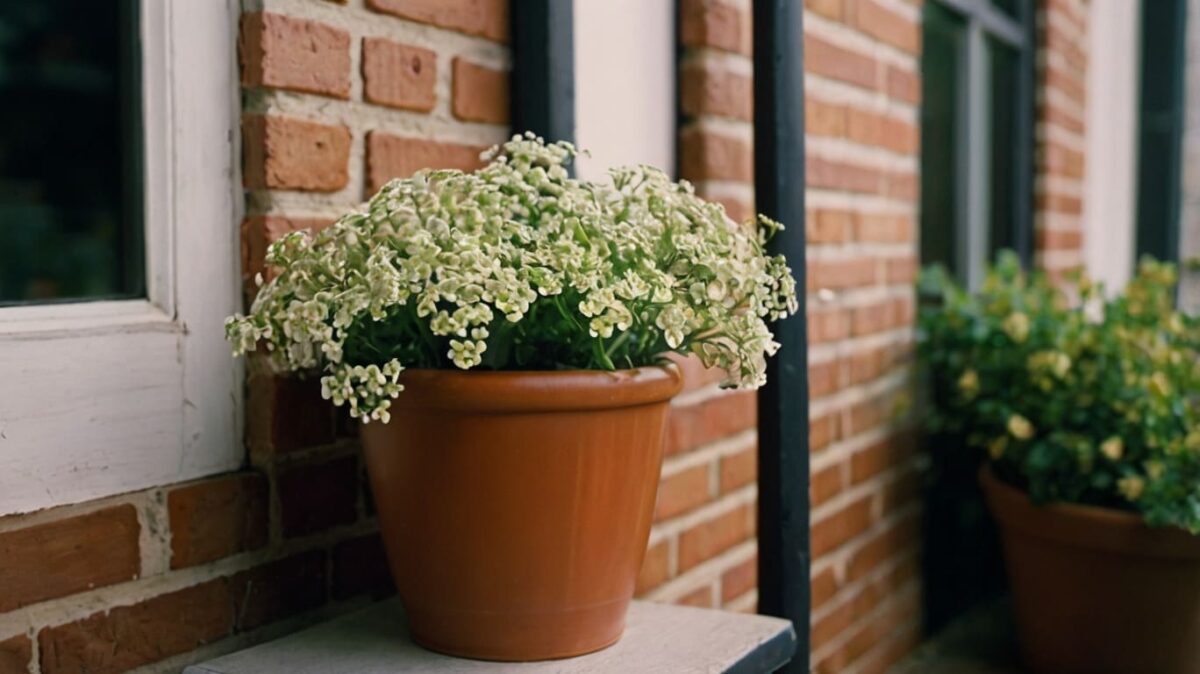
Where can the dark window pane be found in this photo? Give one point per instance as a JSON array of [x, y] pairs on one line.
[[70, 170], [940, 66], [1009, 7], [1002, 222]]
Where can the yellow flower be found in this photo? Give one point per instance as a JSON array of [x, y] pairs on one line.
[[1016, 326], [1019, 427], [996, 447], [1160, 385], [1154, 469], [1113, 448], [968, 384], [1192, 442], [1131, 487]]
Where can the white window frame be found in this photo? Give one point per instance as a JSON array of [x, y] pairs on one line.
[[100, 398]]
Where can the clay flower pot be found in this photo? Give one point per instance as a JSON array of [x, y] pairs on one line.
[[1097, 590], [515, 507]]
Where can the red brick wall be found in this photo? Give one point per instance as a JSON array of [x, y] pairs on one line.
[[337, 99], [863, 88], [1061, 104]]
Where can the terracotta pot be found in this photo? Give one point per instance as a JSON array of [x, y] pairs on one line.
[[516, 506], [1097, 590]]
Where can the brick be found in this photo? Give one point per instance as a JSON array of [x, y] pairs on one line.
[[398, 75], [824, 119], [1059, 239], [284, 52], [711, 23], [830, 226], [294, 154], [823, 431], [823, 587], [834, 530], [901, 136], [260, 231], [824, 377], [317, 496], [902, 85], [839, 175], [828, 325], [883, 228], [705, 155], [217, 518], [901, 537], [830, 9], [826, 59], [872, 318], [739, 580], [705, 90], [391, 156], [15, 654], [886, 26], [278, 590], [71, 555], [360, 567], [900, 269], [841, 274], [482, 18], [1057, 159], [479, 93], [683, 491], [285, 413], [826, 483], [831, 625], [712, 537], [901, 186], [880, 456], [700, 598], [130, 636], [655, 568], [870, 413], [1060, 203], [739, 469], [867, 365], [692, 426]]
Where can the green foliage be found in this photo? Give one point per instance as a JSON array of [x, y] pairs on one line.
[[518, 266], [1074, 397]]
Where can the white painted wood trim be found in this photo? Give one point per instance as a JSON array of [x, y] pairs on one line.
[[1110, 172], [100, 398]]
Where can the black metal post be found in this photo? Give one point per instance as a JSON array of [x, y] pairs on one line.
[[779, 184], [543, 78]]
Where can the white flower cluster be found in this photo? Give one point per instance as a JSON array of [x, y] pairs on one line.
[[518, 266]]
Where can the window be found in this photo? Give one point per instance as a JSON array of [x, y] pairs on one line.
[[118, 250], [977, 137]]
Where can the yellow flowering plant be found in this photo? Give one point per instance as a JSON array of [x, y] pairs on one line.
[[1073, 396]]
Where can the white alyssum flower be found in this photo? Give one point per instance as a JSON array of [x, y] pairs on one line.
[[518, 266]]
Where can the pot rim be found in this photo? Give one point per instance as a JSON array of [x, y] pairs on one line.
[[538, 390], [1084, 526]]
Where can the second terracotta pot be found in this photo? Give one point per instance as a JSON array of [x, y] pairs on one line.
[[1097, 591], [515, 507]]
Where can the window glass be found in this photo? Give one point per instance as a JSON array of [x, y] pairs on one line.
[[1003, 64], [945, 33], [70, 202], [1009, 7]]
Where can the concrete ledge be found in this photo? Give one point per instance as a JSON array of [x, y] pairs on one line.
[[658, 638]]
